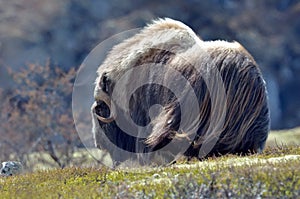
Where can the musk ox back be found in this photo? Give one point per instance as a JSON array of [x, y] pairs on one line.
[[165, 90]]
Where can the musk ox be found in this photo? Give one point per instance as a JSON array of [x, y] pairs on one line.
[[167, 66]]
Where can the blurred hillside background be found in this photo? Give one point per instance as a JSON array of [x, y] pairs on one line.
[[58, 34]]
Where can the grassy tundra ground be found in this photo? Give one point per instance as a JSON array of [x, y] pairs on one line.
[[273, 174]]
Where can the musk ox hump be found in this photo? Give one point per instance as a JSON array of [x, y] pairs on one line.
[[166, 34]]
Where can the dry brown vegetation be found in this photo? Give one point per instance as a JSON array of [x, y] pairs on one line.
[[36, 115]]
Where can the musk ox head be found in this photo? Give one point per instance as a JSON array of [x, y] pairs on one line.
[[166, 90]]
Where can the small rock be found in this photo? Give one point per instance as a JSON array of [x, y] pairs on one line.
[[11, 168]]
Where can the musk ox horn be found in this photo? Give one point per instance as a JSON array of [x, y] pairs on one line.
[[102, 96]]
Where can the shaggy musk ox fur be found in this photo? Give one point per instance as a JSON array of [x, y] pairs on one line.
[[175, 45]]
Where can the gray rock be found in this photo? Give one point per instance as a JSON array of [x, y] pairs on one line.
[[11, 168]]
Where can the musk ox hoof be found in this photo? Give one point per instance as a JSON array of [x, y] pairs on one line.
[[11, 168]]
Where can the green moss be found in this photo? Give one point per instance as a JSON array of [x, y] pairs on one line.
[[275, 173]]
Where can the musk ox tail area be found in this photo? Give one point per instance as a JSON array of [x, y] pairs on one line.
[[164, 90]]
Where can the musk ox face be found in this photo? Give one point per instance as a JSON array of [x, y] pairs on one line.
[[165, 90]]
